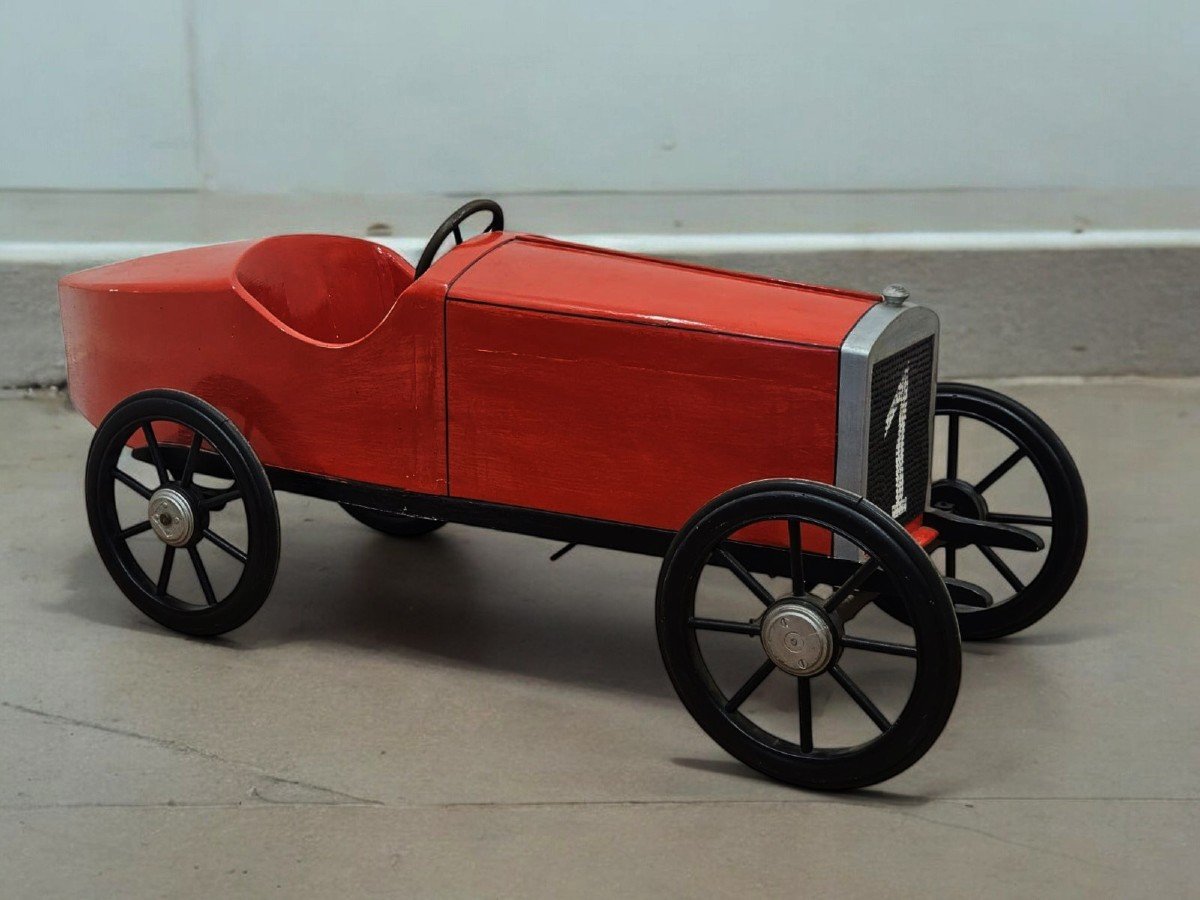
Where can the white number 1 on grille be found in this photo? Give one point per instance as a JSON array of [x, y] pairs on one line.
[[899, 407]]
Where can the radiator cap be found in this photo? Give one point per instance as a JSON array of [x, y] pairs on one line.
[[894, 295]]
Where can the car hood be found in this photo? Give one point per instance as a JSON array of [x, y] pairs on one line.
[[555, 277]]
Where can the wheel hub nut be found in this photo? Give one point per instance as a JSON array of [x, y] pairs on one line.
[[171, 516], [797, 638]]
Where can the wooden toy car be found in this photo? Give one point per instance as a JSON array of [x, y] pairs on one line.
[[745, 429]]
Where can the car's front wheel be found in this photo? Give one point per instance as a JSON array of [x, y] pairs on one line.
[[808, 684], [1027, 479]]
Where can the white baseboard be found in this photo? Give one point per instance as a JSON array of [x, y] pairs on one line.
[[62, 252]]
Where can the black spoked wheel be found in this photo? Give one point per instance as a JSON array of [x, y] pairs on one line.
[[809, 685], [1028, 479], [192, 496], [393, 524]]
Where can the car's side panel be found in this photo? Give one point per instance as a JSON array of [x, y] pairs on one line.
[[628, 422], [373, 410]]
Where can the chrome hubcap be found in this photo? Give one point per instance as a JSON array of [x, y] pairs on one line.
[[797, 638], [171, 516]]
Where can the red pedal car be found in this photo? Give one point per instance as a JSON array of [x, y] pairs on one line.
[[772, 441]]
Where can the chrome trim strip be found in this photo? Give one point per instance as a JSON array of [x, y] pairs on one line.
[[882, 331]]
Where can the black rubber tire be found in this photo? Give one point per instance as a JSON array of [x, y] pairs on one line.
[[1068, 509], [938, 667], [262, 515], [392, 524]]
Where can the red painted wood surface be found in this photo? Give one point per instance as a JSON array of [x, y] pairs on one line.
[[577, 381], [551, 276], [921, 533], [618, 421], [332, 289], [370, 410]]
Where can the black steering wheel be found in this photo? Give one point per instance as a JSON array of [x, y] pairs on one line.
[[451, 227]]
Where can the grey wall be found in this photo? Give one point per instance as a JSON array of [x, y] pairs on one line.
[[1082, 312], [387, 96], [95, 95]]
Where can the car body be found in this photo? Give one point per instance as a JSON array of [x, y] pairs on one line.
[[730, 423], [519, 370]]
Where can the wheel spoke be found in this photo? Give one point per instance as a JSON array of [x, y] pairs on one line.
[[132, 483], [136, 528], [796, 554], [164, 574], [1019, 519], [744, 692], [804, 709], [952, 448], [951, 561], [155, 453], [724, 625], [853, 583], [217, 500], [857, 695], [1000, 471], [1002, 567], [225, 545], [193, 457], [873, 646], [745, 577], [202, 576]]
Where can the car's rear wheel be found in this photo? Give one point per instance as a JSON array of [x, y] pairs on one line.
[[191, 496], [392, 524], [768, 674]]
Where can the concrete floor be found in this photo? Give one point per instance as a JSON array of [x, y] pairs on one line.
[[458, 717]]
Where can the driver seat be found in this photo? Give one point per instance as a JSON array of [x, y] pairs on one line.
[[331, 289]]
